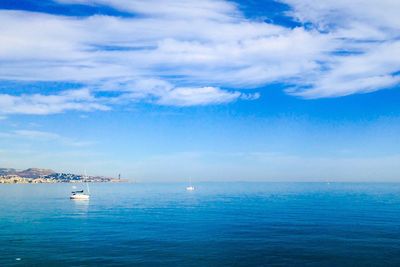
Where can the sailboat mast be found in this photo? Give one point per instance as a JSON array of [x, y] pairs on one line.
[[87, 185]]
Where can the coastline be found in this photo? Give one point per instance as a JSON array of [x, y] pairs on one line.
[[43, 180], [48, 176]]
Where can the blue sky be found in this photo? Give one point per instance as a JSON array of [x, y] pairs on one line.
[[284, 90]]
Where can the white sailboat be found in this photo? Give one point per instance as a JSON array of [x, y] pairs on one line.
[[80, 194], [190, 187]]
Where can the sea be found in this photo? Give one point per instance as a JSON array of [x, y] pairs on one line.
[[218, 224]]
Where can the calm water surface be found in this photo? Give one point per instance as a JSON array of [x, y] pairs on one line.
[[230, 224]]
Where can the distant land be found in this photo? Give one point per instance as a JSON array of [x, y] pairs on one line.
[[36, 175]]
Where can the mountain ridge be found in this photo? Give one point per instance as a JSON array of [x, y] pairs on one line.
[[27, 173]]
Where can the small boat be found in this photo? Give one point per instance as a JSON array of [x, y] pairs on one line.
[[190, 187], [80, 194]]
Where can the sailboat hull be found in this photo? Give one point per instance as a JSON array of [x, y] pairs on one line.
[[79, 197]]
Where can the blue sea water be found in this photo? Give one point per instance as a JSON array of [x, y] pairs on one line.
[[219, 224]]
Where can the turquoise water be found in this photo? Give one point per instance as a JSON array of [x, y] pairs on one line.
[[230, 224]]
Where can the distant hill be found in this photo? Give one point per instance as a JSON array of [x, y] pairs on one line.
[[35, 172], [28, 173]]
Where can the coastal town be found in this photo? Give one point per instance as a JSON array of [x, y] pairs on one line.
[[38, 176]]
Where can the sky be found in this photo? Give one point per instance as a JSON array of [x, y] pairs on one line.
[[214, 90]]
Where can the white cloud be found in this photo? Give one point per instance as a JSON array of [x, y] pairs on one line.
[[198, 52], [39, 104], [361, 73], [197, 96], [367, 42], [190, 44], [164, 93], [206, 9], [342, 13]]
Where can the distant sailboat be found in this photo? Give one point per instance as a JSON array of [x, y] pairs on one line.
[[80, 194], [190, 187]]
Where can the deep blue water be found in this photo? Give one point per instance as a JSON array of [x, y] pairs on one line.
[[230, 224]]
